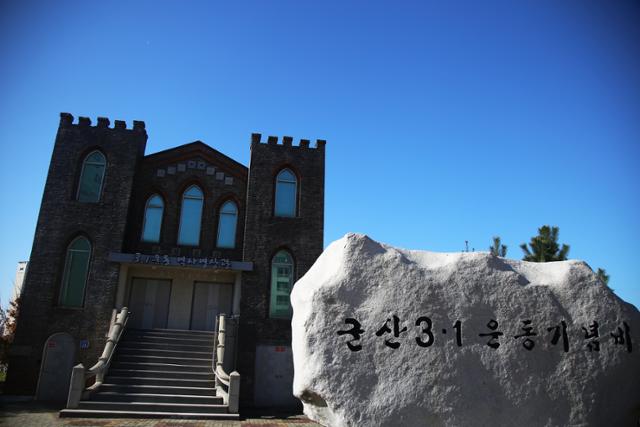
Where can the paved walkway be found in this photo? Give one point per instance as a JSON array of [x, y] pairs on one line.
[[37, 415]]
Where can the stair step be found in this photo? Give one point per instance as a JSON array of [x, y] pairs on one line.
[[158, 373], [166, 374], [92, 413], [113, 396], [171, 332], [153, 406], [187, 382], [150, 345], [162, 359], [164, 352], [162, 366], [168, 340], [159, 389]]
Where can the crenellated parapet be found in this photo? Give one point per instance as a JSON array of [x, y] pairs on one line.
[[287, 141], [66, 120]]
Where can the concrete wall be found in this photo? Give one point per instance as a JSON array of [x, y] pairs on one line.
[[180, 304]]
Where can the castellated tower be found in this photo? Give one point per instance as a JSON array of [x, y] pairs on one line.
[[298, 233], [108, 156], [180, 237]]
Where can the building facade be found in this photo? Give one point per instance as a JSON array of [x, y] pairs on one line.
[[178, 237], [21, 270]]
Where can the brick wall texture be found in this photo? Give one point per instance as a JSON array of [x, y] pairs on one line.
[[61, 219], [114, 224]]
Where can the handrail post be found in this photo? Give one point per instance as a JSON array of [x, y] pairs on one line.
[[220, 348], [221, 341], [76, 386], [79, 375], [227, 385], [234, 392]]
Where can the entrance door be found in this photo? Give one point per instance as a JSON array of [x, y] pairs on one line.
[[149, 303], [209, 300], [274, 377], [57, 363]]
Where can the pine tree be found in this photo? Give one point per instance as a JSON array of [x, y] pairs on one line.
[[603, 276], [545, 247], [498, 249]]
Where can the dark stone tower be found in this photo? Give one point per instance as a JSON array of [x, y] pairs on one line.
[[266, 233], [62, 218]]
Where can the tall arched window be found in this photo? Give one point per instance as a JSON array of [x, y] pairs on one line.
[[190, 216], [152, 219], [227, 225], [74, 277], [91, 177], [281, 284], [286, 193]]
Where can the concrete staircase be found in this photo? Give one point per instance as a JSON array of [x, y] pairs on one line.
[[158, 373]]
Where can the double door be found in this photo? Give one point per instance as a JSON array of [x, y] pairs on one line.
[[151, 303], [209, 300]]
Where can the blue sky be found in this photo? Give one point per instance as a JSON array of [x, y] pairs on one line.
[[445, 121]]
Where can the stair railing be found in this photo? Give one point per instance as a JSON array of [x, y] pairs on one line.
[[77, 390], [227, 385]]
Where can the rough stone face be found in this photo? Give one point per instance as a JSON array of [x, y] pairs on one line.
[[446, 384]]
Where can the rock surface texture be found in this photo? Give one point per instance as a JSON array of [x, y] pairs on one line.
[[539, 368]]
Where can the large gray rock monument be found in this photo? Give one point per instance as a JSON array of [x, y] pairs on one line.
[[392, 337]]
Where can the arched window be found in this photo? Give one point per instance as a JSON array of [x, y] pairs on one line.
[[90, 185], [74, 277], [286, 193], [152, 219], [281, 284], [227, 225], [190, 216]]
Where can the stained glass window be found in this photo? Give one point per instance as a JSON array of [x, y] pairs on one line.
[[281, 285]]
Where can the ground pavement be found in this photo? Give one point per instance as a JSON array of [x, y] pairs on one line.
[[27, 414]]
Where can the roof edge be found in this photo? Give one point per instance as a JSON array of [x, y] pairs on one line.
[[231, 163]]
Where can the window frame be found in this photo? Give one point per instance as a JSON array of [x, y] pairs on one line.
[[82, 170], [296, 183], [273, 283], [184, 196], [66, 269], [144, 218], [235, 224]]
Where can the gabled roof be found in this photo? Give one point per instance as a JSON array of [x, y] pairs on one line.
[[198, 148]]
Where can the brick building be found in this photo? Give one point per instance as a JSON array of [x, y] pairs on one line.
[[178, 236]]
